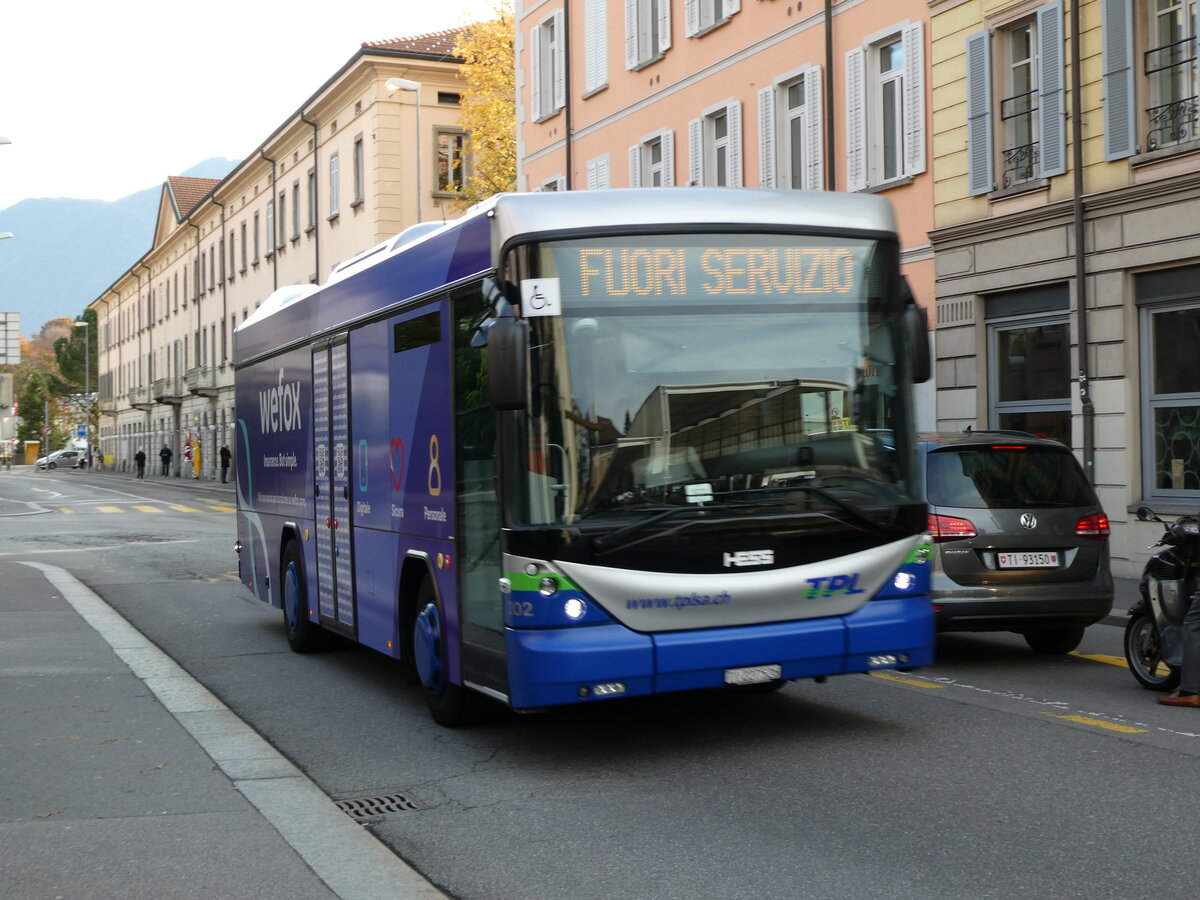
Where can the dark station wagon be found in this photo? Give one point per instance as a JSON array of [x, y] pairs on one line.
[[1021, 542]]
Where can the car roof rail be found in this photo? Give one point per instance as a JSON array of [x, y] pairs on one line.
[[1012, 432]]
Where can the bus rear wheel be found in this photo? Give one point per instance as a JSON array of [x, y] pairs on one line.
[[303, 635], [449, 704]]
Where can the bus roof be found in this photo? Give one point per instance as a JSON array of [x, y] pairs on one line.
[[429, 256]]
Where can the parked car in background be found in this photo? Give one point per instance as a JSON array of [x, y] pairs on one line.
[[63, 459], [1021, 541]]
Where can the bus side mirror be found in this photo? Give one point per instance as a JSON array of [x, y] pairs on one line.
[[916, 334], [508, 363]]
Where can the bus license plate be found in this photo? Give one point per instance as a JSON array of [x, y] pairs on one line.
[[753, 674], [1027, 560]]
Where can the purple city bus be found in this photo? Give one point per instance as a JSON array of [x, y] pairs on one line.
[[586, 445]]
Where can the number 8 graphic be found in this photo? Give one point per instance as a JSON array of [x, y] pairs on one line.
[[435, 472]]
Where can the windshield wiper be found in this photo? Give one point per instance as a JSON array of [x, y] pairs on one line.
[[610, 542], [854, 514]]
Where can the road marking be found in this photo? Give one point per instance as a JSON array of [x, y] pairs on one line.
[[63, 509], [110, 509], [148, 509], [887, 676], [1104, 658], [223, 508], [187, 509], [1099, 723]]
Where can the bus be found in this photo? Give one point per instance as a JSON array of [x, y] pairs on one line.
[[587, 445]]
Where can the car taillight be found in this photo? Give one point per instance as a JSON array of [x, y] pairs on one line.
[[1093, 526], [950, 528]]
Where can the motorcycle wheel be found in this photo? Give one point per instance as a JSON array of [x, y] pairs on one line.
[[1144, 656]]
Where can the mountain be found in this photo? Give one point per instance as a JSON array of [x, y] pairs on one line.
[[65, 252]]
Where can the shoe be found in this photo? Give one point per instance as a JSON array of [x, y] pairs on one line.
[[1176, 699]]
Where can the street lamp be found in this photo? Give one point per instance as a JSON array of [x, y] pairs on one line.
[[87, 391], [413, 87]]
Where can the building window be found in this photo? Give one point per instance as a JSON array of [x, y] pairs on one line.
[[335, 196], [885, 108], [647, 31], [595, 45], [790, 132], [547, 82], [1031, 377], [715, 146], [270, 230], [652, 161], [281, 221], [232, 256], [359, 171], [451, 162], [244, 251], [1025, 114], [257, 245], [312, 199], [1173, 70], [701, 16], [212, 265], [295, 210], [553, 183], [598, 173]]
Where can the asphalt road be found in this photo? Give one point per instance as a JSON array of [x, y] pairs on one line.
[[993, 773]]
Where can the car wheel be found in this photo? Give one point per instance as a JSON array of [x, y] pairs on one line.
[[304, 636], [450, 704], [1143, 653], [1055, 641], [52, 465]]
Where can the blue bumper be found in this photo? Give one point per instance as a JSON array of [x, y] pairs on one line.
[[555, 666]]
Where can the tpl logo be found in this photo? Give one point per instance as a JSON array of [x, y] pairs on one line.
[[750, 558]]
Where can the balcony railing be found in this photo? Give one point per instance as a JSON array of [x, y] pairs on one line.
[[1169, 69], [1019, 162], [139, 398], [169, 390], [201, 381]]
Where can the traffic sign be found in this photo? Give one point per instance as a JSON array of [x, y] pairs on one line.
[[81, 431]]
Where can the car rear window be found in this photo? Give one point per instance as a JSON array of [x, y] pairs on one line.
[[1005, 478]]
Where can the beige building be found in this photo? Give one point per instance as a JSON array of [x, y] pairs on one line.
[[348, 169], [1067, 239]]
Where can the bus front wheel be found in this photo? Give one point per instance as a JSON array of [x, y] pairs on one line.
[[450, 704], [304, 636]]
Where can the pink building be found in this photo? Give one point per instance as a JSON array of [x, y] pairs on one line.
[[753, 93]]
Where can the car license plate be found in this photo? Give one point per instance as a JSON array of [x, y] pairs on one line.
[[1028, 560], [753, 674]]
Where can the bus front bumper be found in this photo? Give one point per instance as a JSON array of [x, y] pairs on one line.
[[556, 666]]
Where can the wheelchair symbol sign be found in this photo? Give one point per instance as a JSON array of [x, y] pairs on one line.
[[540, 297]]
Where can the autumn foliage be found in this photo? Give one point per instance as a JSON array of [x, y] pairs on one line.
[[489, 106]]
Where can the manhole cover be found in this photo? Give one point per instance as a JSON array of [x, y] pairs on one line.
[[362, 808]]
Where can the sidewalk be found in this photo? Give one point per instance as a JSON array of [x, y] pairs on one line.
[[125, 778]]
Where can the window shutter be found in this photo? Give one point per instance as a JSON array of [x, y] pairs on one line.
[[635, 165], [729, 7], [631, 48], [593, 175], [596, 46], [980, 176], [1116, 28], [856, 121], [766, 137], [696, 152], [664, 25], [560, 67], [560, 183], [535, 71], [914, 99], [691, 18], [733, 115], [1052, 131], [668, 155], [814, 179], [603, 173]]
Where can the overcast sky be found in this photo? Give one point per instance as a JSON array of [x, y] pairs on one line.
[[101, 100]]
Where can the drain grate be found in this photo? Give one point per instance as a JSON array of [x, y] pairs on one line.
[[362, 808]]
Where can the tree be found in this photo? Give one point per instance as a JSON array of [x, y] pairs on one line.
[[39, 386], [489, 104]]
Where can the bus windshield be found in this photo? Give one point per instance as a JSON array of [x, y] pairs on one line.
[[726, 372]]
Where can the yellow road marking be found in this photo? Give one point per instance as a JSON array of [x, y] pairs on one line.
[[110, 509], [223, 508], [887, 676], [185, 509], [1099, 723], [1104, 658], [63, 509], [148, 509]]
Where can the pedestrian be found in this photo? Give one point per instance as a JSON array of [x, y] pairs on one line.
[[225, 457], [1189, 682], [98, 459], [140, 459], [165, 455]]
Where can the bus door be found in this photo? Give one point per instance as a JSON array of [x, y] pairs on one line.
[[331, 484]]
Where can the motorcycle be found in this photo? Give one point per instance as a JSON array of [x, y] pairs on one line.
[[1154, 634]]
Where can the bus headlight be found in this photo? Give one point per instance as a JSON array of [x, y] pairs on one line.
[[574, 608], [548, 586]]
